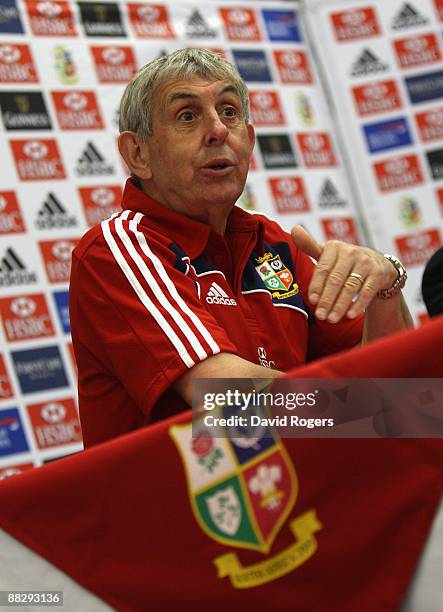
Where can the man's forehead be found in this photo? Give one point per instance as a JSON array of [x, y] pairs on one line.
[[194, 88]]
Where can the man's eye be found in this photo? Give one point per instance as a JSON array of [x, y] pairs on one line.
[[229, 111], [186, 116]]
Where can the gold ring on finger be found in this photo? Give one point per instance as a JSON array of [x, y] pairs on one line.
[[358, 276]]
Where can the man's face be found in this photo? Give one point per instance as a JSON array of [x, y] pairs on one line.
[[200, 148]]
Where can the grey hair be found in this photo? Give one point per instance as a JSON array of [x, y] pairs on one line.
[[135, 113]]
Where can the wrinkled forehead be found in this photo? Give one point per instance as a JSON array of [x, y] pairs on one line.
[[176, 89]]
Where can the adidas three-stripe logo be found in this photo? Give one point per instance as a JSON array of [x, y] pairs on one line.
[[216, 295]]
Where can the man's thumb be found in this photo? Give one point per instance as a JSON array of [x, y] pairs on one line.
[[305, 242]]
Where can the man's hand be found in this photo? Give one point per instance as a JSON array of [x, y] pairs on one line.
[[346, 278]]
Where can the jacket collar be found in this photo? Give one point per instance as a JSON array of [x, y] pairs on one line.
[[191, 235]]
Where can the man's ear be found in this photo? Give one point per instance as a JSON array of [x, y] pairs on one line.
[[135, 152], [251, 133]]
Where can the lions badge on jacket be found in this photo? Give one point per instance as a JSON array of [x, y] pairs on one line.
[[276, 276], [242, 491]]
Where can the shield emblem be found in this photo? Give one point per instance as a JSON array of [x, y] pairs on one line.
[[241, 489], [274, 274]]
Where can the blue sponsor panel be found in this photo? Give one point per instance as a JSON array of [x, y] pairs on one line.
[[61, 302], [252, 65], [10, 22], [39, 369], [386, 135], [282, 25], [425, 87], [12, 435]]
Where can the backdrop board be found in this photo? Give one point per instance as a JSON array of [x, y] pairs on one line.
[[382, 64], [63, 69]]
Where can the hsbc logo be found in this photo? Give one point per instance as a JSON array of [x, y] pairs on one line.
[[100, 202], [416, 45], [353, 19], [314, 142], [77, 110], [417, 50], [16, 65], [262, 100], [102, 196], [266, 108], [49, 9], [416, 249], [62, 250], [240, 24], [354, 24], [51, 18], [55, 423], [375, 91], [148, 13], [75, 101], [26, 317], [150, 21], [37, 159], [291, 59], [398, 173], [23, 307], [289, 194], [9, 54], [287, 186], [113, 56], [57, 259], [35, 150], [430, 125], [53, 412], [239, 17]]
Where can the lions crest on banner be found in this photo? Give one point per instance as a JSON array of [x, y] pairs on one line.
[[242, 491]]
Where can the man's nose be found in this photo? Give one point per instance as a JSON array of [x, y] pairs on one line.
[[216, 130]]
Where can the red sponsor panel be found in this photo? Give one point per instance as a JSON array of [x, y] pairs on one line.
[[417, 50], [398, 173], [50, 18], [11, 220], [77, 110], [150, 21], [37, 160], [26, 317], [100, 202], [16, 64], [57, 258], [5, 382], [416, 249], [340, 228], [439, 8], [14, 470], [355, 24], [266, 108], [289, 194], [430, 124], [316, 149], [114, 64], [293, 67], [55, 423], [240, 24], [377, 97]]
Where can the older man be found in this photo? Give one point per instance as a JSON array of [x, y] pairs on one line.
[[182, 284]]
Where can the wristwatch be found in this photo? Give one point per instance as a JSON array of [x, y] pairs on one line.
[[400, 281]]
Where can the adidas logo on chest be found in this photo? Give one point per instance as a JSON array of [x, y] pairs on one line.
[[216, 295]]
